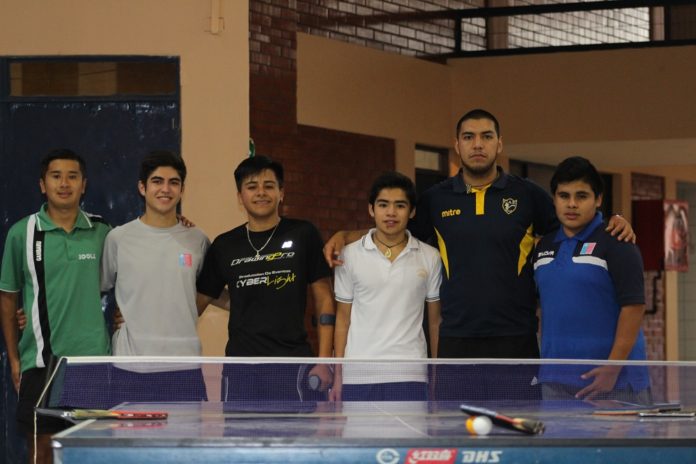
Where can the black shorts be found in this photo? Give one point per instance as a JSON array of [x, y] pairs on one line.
[[30, 388], [488, 382]]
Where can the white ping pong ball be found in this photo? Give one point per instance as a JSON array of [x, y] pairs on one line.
[[479, 425]]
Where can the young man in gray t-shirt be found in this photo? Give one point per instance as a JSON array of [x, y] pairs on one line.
[[152, 262]]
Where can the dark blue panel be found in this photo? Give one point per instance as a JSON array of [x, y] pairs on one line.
[[112, 137]]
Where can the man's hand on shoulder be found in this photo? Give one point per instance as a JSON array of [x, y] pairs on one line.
[[332, 249], [186, 222], [620, 228]]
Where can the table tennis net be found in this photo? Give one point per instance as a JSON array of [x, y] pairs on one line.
[[104, 382]]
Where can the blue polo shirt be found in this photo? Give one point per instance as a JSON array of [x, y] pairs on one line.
[[583, 283]]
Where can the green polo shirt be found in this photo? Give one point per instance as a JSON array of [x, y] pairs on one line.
[[58, 275]]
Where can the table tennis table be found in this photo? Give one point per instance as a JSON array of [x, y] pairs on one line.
[[370, 432]]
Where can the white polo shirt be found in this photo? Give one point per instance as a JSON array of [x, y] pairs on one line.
[[387, 298]]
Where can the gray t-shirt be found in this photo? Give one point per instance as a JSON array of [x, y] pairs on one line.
[[154, 272]]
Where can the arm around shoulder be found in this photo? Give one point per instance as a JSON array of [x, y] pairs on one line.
[[334, 246], [620, 228]]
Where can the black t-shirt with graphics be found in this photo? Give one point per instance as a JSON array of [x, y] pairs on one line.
[[268, 293]]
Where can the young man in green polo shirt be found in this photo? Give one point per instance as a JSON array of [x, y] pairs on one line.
[[53, 257]]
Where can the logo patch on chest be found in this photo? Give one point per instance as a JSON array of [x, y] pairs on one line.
[[185, 260], [509, 205], [587, 248]]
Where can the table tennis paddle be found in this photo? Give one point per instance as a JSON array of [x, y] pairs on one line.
[[118, 414], [518, 424], [669, 414], [135, 425], [83, 414], [623, 408]]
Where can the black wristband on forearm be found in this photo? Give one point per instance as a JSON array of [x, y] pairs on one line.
[[327, 319]]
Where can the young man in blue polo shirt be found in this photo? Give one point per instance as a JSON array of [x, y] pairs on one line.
[[591, 291]]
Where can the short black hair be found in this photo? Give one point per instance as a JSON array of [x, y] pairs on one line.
[[478, 113], [63, 154], [157, 159], [253, 166], [393, 180], [577, 168]]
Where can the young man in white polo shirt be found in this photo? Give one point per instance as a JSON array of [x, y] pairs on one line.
[[380, 291]]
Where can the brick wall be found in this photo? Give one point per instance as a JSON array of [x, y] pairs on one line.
[[332, 175], [432, 37], [579, 28], [406, 38]]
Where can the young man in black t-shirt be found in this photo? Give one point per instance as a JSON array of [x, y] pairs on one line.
[[267, 265]]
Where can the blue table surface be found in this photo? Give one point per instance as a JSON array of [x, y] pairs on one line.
[[381, 432]]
